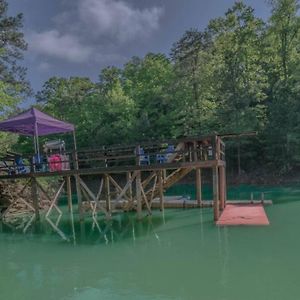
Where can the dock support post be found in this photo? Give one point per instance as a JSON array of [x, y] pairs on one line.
[[107, 190], [198, 187], [79, 197], [35, 198], [77, 180], [216, 192], [70, 204], [69, 194], [225, 188], [128, 179], [161, 190], [138, 195], [222, 187]]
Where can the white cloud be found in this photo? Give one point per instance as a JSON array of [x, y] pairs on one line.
[[54, 44], [118, 19]]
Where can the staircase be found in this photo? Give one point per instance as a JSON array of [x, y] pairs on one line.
[[176, 156], [170, 180]]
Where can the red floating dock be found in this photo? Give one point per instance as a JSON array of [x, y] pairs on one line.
[[243, 214]]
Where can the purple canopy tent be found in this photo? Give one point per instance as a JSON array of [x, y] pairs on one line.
[[36, 123]]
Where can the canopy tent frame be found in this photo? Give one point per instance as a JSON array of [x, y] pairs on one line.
[[36, 123]]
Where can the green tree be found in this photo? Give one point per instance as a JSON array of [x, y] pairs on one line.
[[112, 112], [239, 79], [12, 47], [67, 99], [195, 106], [283, 108], [12, 75], [148, 82]]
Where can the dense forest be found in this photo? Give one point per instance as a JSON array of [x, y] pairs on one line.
[[239, 74]]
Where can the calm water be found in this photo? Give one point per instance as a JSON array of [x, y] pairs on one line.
[[180, 255]]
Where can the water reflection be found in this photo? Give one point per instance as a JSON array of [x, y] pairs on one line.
[[120, 227]]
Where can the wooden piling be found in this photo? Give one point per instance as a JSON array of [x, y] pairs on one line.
[[35, 198], [69, 193], [70, 204], [77, 182], [161, 189], [225, 187], [107, 191], [198, 187], [79, 197], [216, 192], [138, 195], [222, 185], [128, 179]]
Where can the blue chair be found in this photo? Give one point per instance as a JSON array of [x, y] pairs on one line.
[[170, 149], [20, 166], [144, 159], [38, 163], [162, 158]]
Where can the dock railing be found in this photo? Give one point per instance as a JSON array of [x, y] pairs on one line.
[[163, 153]]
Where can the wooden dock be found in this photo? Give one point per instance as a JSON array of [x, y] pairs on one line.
[[133, 178]]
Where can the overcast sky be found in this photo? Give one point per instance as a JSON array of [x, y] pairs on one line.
[[80, 37]]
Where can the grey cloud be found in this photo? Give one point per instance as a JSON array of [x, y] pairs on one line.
[[43, 66], [118, 19], [92, 28], [55, 44]]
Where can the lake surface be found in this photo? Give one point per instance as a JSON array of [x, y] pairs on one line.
[[178, 255]]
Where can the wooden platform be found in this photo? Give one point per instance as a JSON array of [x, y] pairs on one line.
[[243, 214], [182, 202]]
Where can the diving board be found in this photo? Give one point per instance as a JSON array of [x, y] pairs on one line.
[[243, 214]]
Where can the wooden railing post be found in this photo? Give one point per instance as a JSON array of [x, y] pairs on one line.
[[195, 151], [137, 153]]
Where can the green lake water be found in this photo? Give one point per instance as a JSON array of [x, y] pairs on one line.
[[178, 255]]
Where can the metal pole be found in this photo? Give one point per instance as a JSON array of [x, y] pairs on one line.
[[37, 139], [34, 142]]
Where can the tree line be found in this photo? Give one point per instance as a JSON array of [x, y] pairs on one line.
[[239, 74]]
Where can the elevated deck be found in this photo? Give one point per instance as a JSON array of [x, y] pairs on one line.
[[135, 176], [198, 152]]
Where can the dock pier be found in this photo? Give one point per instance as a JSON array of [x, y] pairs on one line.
[[133, 178]]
